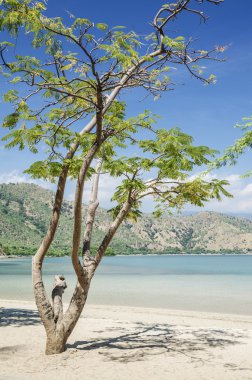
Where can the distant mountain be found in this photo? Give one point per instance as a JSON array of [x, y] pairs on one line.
[[25, 211]]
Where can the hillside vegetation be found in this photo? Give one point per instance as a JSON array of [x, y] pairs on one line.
[[25, 210]]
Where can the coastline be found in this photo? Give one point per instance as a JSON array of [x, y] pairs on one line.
[[2, 257], [121, 342]]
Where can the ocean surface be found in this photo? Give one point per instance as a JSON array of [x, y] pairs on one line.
[[201, 283]]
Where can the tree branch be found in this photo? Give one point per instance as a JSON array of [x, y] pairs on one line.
[[111, 232], [94, 203], [78, 214]]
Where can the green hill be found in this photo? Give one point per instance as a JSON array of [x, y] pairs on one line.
[[25, 211]]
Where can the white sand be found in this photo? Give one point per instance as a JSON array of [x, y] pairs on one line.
[[119, 343]]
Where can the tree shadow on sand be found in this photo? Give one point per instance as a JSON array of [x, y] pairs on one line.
[[142, 340], [18, 317]]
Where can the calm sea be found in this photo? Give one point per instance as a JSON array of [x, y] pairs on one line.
[[201, 283]]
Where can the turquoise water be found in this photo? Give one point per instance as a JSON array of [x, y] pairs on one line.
[[201, 283]]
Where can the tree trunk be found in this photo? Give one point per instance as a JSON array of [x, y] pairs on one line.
[[55, 343], [56, 339], [59, 325], [58, 290]]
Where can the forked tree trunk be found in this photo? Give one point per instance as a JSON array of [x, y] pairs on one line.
[[56, 340], [58, 326]]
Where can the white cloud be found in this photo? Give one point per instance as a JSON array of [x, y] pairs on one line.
[[15, 177], [12, 177], [233, 178], [247, 190]]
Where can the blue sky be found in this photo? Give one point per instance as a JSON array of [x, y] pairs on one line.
[[208, 113]]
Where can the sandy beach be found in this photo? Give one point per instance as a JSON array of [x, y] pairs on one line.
[[112, 342]]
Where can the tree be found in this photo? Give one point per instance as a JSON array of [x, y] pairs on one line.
[[240, 146], [83, 69]]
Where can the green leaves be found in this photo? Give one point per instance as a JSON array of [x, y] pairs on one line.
[[6, 43], [11, 120], [132, 215], [45, 170], [102, 26], [15, 80], [175, 154], [81, 21], [241, 145], [11, 96], [122, 47], [211, 79], [40, 6], [177, 43]]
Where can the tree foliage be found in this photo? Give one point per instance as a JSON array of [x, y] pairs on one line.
[[241, 145], [84, 66]]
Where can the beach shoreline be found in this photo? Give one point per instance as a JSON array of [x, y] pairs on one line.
[[121, 342], [6, 257]]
